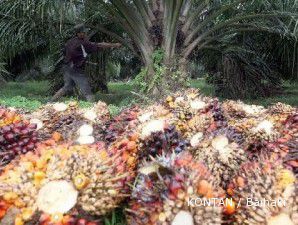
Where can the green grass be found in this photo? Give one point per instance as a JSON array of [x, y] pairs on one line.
[[289, 96], [205, 88], [31, 95]]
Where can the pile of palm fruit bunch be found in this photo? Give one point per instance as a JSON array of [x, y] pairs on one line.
[[224, 137], [17, 135], [160, 161]]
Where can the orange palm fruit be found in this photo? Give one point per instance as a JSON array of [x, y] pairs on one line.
[[44, 218], [240, 181], [66, 219], [209, 194], [80, 181], [125, 156], [39, 175], [18, 221], [230, 191], [18, 203], [2, 213], [229, 207], [204, 187], [27, 214], [41, 163], [57, 218], [134, 137], [131, 161], [131, 145], [57, 136], [10, 196]]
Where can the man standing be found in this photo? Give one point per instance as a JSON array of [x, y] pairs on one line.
[[75, 55]]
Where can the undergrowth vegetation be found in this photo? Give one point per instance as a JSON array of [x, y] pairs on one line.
[[33, 94]]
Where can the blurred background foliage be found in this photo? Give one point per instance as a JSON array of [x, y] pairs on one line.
[[248, 48]]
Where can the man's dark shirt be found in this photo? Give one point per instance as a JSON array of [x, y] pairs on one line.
[[74, 53]]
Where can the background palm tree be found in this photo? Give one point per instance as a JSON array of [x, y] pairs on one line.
[[36, 29], [181, 27], [166, 35]]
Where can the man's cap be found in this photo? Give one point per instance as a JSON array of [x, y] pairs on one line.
[[80, 28]]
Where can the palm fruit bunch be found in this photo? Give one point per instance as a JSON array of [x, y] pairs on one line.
[[118, 126], [218, 114], [264, 131], [126, 150], [221, 155], [66, 220], [17, 136], [69, 121], [200, 123], [8, 117], [158, 133], [164, 141], [279, 114], [290, 142], [281, 108], [153, 112], [237, 109], [285, 147], [164, 189], [243, 125], [99, 112], [248, 134], [266, 193], [58, 117], [191, 113], [59, 180], [231, 133]]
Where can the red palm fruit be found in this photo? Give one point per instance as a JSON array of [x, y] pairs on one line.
[[92, 223], [9, 137], [6, 129], [82, 222], [71, 221], [44, 218]]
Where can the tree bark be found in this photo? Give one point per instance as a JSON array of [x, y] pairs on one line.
[[2, 81], [96, 71]]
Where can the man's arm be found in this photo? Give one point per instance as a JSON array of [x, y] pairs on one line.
[[93, 47], [108, 45]]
